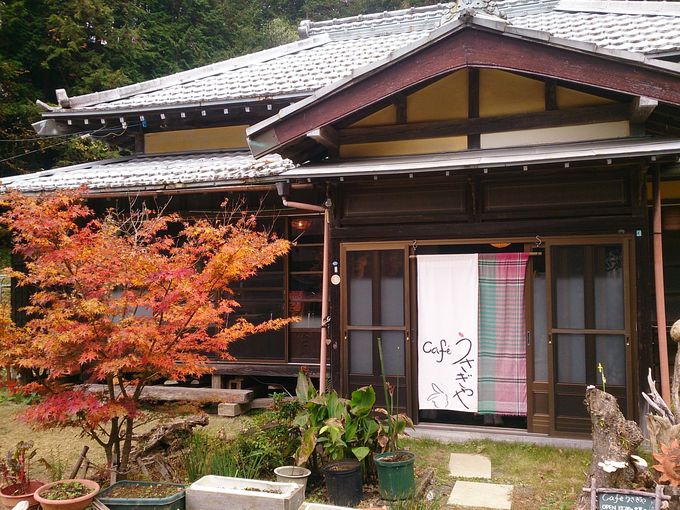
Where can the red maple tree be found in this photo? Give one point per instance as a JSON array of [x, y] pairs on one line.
[[123, 300]]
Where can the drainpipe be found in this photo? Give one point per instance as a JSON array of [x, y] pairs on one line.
[[660, 295], [283, 190]]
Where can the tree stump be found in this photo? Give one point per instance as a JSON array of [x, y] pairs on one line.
[[615, 439]]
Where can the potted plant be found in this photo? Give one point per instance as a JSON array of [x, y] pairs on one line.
[[15, 471], [337, 428], [75, 494], [134, 495], [396, 478], [293, 474]]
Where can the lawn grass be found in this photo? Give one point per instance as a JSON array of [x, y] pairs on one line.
[[544, 478]]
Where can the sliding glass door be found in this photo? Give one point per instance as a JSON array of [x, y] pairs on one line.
[[589, 327], [375, 308]]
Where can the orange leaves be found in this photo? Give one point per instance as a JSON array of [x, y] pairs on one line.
[[78, 408], [133, 296]]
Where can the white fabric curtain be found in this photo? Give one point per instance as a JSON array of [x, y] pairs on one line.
[[448, 302]]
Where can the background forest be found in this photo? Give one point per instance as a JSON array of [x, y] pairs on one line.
[[89, 45]]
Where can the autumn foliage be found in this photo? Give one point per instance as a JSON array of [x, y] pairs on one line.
[[124, 300]]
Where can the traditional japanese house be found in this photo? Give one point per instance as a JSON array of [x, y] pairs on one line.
[[486, 179]]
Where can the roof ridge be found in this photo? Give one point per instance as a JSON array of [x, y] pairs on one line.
[[189, 75], [648, 7], [430, 14]]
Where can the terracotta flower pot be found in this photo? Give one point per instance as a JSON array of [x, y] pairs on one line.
[[9, 501], [67, 504]]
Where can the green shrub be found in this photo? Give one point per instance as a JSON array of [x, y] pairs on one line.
[[255, 453], [336, 426]]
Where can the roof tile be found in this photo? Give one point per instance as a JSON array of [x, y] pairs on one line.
[[154, 172]]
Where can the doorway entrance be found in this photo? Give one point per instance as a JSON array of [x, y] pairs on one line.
[[578, 308]]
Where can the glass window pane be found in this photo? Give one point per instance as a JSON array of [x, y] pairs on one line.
[[361, 352], [571, 356], [308, 311], [540, 339], [269, 345], [392, 288], [360, 288], [610, 350], [393, 352], [306, 286], [608, 269], [568, 270], [306, 258]]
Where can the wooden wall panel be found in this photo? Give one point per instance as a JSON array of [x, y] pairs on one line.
[[225, 137]]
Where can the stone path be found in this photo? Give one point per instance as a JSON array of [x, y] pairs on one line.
[[468, 494]]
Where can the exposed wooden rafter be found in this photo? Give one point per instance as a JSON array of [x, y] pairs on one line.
[[476, 126], [326, 136], [641, 108]]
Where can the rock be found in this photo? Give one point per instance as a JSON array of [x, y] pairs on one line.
[[675, 331]]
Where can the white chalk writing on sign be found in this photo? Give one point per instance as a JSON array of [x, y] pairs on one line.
[[608, 501]]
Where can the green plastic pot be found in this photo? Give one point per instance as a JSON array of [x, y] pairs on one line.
[[173, 502], [396, 479]]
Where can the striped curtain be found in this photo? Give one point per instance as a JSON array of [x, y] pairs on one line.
[[502, 345]]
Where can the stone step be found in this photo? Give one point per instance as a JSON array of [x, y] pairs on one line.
[[466, 465], [231, 410], [481, 495]]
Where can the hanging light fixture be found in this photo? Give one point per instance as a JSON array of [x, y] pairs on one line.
[[500, 245], [301, 223]]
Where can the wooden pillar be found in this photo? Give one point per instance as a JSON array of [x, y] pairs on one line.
[[659, 288], [216, 382]]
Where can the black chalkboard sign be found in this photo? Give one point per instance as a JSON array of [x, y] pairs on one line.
[[624, 499], [615, 501]]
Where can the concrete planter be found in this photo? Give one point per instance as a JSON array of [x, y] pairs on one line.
[[319, 506], [212, 492]]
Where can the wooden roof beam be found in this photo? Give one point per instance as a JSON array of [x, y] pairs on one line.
[[552, 118], [326, 136], [641, 108]]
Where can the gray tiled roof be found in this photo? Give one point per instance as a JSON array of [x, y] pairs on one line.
[[297, 73], [336, 47], [154, 172], [628, 32]]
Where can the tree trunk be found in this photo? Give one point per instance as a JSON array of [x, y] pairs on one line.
[[615, 439], [127, 447]]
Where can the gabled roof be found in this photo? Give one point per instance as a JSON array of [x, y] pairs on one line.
[[333, 49], [472, 40], [200, 171]]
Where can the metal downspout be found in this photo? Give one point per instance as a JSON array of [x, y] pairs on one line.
[[325, 319], [659, 289]]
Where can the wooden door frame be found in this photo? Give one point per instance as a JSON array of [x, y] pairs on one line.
[[345, 249], [629, 303], [542, 425]]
